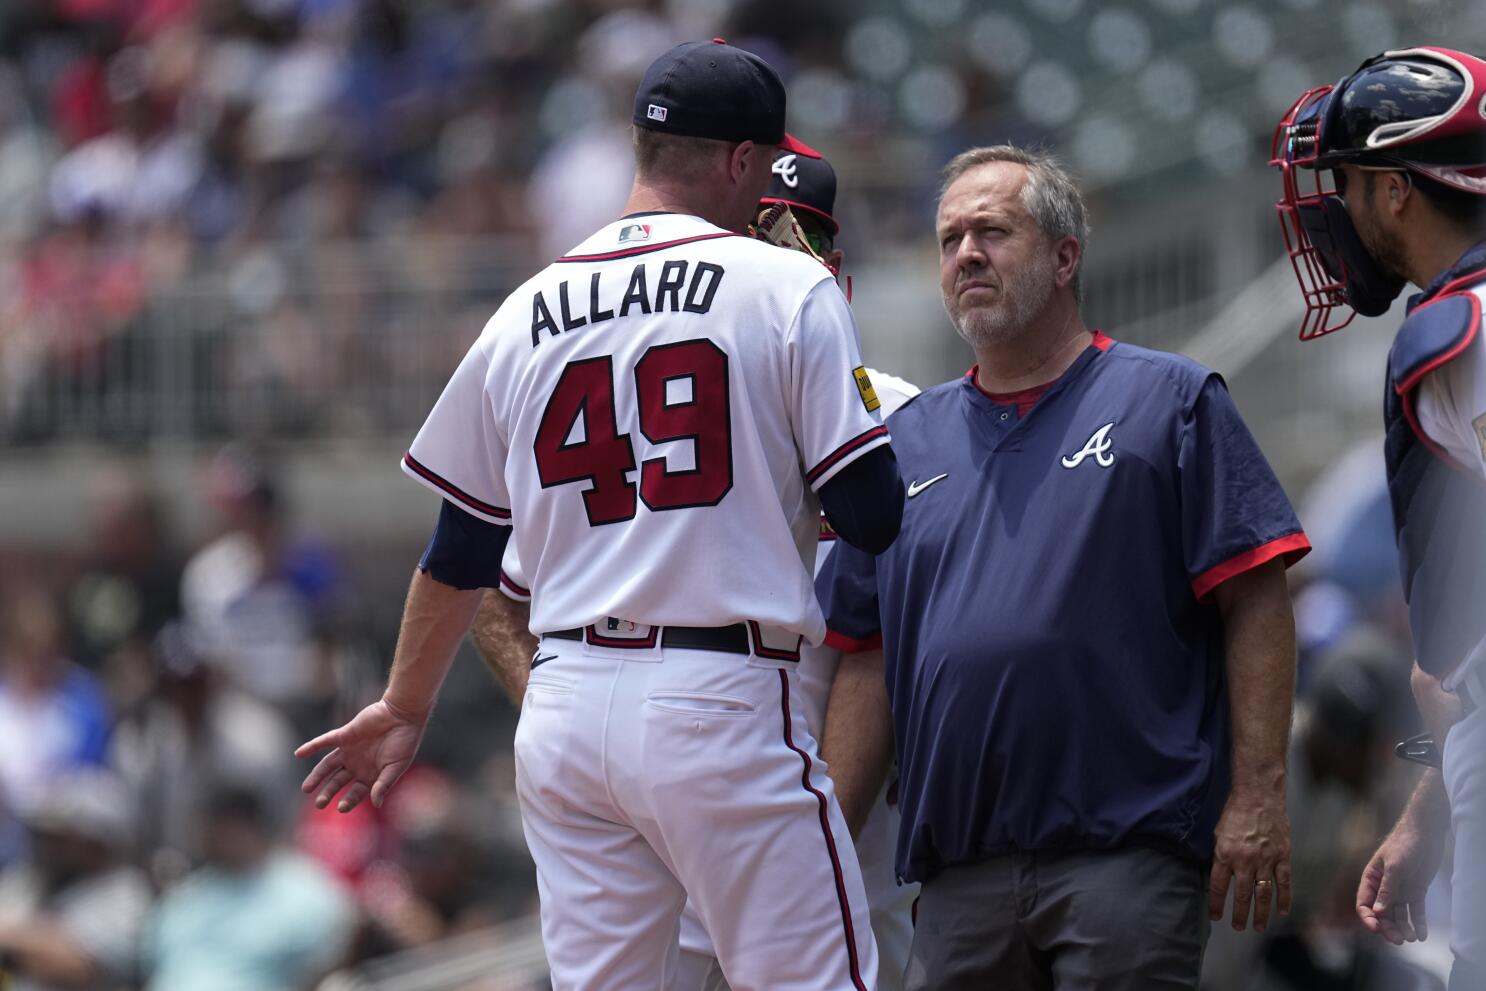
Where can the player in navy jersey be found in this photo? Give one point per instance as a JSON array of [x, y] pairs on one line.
[[1086, 639], [1403, 142]]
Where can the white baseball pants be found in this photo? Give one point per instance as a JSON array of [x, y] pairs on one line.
[[1465, 784], [889, 903], [649, 773]]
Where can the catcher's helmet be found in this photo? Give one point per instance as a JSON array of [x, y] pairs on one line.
[[1420, 110]]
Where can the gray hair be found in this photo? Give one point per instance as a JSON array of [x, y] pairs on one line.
[[1049, 194]]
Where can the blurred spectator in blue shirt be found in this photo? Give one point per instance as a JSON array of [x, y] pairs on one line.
[[53, 715], [254, 598]]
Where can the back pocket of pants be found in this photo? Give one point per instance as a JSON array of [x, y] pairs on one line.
[[548, 684], [700, 703]]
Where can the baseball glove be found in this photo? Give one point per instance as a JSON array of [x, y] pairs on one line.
[[776, 223]]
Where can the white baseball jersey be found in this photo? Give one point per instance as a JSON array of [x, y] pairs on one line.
[[890, 903], [655, 412]]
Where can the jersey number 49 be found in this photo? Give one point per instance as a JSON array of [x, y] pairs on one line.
[[682, 390]]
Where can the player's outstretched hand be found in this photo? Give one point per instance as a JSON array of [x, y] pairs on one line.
[[1390, 899], [1252, 855], [369, 754]]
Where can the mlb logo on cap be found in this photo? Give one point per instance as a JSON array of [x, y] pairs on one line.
[[709, 89]]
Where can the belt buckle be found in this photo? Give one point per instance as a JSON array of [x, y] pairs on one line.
[[612, 631]]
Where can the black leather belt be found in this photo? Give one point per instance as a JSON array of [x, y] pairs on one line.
[[727, 639]]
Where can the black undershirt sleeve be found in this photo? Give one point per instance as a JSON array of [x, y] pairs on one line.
[[864, 501], [465, 551]]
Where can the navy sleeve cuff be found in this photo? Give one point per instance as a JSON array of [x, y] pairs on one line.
[[465, 551]]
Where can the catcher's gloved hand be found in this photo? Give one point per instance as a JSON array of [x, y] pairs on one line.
[[777, 224]]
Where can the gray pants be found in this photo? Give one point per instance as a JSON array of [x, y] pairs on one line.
[[1113, 920]]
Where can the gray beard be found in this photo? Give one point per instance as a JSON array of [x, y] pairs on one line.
[[1022, 297]]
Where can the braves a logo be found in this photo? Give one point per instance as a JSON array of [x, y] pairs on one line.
[[1097, 447], [784, 168]]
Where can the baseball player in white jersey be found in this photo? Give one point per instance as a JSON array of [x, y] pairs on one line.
[[807, 186], [663, 414]]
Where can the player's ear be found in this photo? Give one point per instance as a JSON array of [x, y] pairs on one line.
[[1067, 258], [833, 259], [741, 161], [1399, 185]]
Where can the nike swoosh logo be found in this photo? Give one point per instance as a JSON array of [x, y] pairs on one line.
[[914, 487], [539, 659]]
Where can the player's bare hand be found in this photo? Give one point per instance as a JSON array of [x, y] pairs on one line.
[[1390, 898], [1252, 856], [368, 754]]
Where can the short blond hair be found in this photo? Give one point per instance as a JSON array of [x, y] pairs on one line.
[[674, 157]]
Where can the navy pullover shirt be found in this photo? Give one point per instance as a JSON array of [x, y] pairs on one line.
[[1054, 658]]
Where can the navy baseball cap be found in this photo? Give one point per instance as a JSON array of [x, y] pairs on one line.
[[806, 185], [709, 89]]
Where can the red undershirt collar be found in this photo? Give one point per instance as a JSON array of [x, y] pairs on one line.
[[1025, 399]]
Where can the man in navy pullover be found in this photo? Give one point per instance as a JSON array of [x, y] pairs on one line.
[[1086, 638]]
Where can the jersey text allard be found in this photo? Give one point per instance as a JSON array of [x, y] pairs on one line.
[[677, 287]]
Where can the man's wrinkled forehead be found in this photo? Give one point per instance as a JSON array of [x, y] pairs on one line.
[[992, 188]]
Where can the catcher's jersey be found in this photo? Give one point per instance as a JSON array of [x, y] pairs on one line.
[[655, 412]]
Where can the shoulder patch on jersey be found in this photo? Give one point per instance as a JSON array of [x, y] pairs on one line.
[[1433, 334], [864, 387]]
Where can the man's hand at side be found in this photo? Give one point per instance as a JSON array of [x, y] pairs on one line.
[[1390, 898], [373, 750], [1252, 852]]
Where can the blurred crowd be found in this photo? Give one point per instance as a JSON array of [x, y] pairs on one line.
[[315, 176], [152, 834], [348, 185]]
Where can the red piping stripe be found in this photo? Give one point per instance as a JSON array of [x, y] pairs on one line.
[[772, 653], [454, 490], [843, 451], [1294, 547], [851, 645], [505, 580], [1475, 303], [1407, 389], [825, 827], [645, 249], [1466, 279]]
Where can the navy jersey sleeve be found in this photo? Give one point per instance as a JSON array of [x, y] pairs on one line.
[[1235, 515], [847, 589]]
